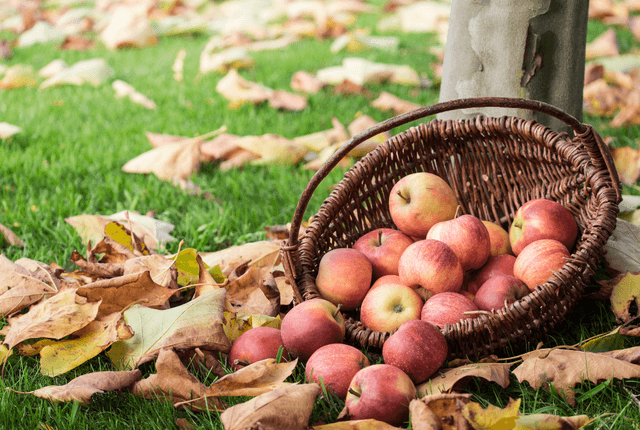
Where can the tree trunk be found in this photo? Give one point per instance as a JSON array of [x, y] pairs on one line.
[[533, 49]]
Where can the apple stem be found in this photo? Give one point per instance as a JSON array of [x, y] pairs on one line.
[[458, 211], [406, 199], [354, 392], [379, 237], [337, 310]]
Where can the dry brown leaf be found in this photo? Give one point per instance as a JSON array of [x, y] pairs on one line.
[[286, 408], [306, 82], [57, 358], [94, 71], [254, 292], [19, 288], [630, 112], [253, 380], [95, 269], [320, 140], [233, 58], [116, 294], [456, 378], [83, 387], [623, 249], [627, 162], [566, 368], [601, 99], [7, 130], [53, 318], [158, 139], [205, 362], [592, 72], [76, 43], [6, 232], [206, 282], [279, 99], [128, 27], [124, 89], [350, 88], [625, 292], [18, 76], [387, 101], [423, 418], [221, 147], [605, 45], [161, 269], [362, 123], [172, 382], [260, 254], [369, 424], [272, 149], [238, 90], [441, 405], [630, 355]]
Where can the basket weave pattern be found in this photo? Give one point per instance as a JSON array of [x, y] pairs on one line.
[[494, 165]]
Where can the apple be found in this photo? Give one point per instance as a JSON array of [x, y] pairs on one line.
[[499, 265], [256, 344], [542, 219], [467, 236], [418, 348], [383, 247], [336, 364], [500, 291], [311, 325], [447, 308], [419, 200], [381, 392], [395, 279], [387, 306], [432, 264], [499, 238], [344, 277], [538, 260]]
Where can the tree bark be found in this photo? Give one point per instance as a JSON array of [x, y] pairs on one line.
[[533, 49]]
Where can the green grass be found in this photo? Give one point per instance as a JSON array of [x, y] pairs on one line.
[[67, 162]]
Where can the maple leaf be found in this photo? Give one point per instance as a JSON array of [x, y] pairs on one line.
[[195, 324], [454, 378], [83, 387], [53, 318], [285, 408], [20, 288], [57, 358], [565, 368]]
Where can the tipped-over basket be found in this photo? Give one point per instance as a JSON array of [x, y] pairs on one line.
[[494, 165]]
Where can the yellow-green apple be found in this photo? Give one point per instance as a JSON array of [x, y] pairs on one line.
[[432, 264], [311, 325], [419, 200], [383, 247], [254, 345], [499, 238], [344, 277], [499, 265], [381, 392], [467, 236], [385, 307], [336, 364], [447, 308], [499, 292], [418, 348], [542, 219], [538, 260]]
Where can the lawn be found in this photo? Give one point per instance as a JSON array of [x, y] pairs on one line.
[[68, 159]]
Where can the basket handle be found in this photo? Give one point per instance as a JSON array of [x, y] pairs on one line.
[[477, 102]]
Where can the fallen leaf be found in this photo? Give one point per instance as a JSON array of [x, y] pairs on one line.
[[128, 27], [76, 43], [7, 130], [350, 88], [195, 324], [387, 101], [83, 387], [566, 368], [53, 318], [362, 123], [60, 357], [423, 17], [605, 45], [8, 235], [272, 149], [52, 68], [124, 89], [457, 377], [208, 281], [233, 58], [41, 32], [18, 76], [625, 292], [96, 269], [601, 99], [265, 253], [609, 341], [94, 72], [221, 147], [447, 406], [627, 162], [172, 382], [160, 268], [306, 82], [368, 424], [121, 235], [253, 380], [280, 99], [235, 324], [623, 249], [238, 90], [178, 65], [286, 408], [19, 288], [253, 292]]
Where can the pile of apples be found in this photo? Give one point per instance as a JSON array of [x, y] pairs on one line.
[[437, 268]]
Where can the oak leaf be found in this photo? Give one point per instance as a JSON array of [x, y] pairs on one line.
[[565, 368], [362, 123], [20, 288], [83, 387], [285, 408], [457, 377], [195, 324], [60, 357], [53, 318]]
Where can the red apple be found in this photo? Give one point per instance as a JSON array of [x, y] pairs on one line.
[[500, 291], [447, 308], [499, 265], [542, 219], [419, 200], [499, 238], [418, 348], [344, 277], [395, 279], [381, 392], [432, 264], [385, 307], [538, 260], [336, 364], [254, 345], [467, 236], [311, 325], [383, 247]]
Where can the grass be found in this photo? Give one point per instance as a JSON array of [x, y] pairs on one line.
[[67, 162]]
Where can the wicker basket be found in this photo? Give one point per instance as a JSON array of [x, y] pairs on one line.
[[494, 165]]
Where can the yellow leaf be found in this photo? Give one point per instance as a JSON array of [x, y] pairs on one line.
[[120, 234], [492, 418]]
